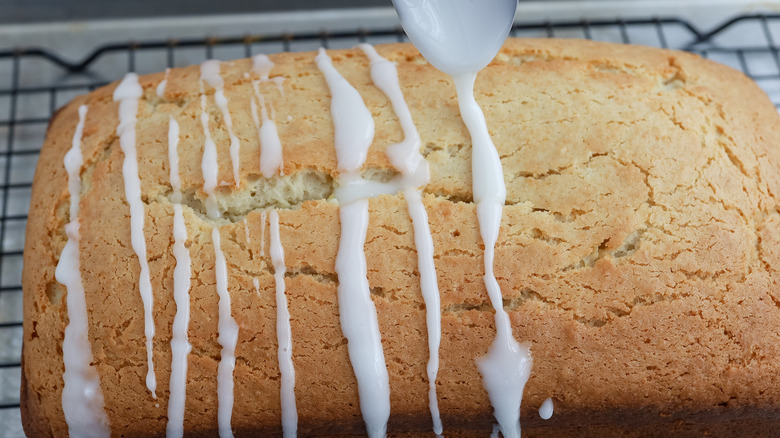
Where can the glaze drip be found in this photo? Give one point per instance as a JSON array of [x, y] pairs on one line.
[[227, 338], [270, 145], [160, 90], [354, 131], [546, 410], [127, 94], [209, 72], [408, 160], [227, 326], [180, 345], [82, 398], [507, 365], [283, 334], [209, 166]]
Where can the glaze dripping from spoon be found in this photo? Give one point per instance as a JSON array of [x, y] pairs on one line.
[[460, 37]]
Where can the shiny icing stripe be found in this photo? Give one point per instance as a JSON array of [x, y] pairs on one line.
[[226, 325], [209, 72], [82, 398], [127, 94], [546, 410], [270, 145], [161, 86], [209, 166], [262, 65], [262, 234], [228, 337], [283, 334], [180, 345], [407, 159], [507, 365], [354, 131], [450, 38]]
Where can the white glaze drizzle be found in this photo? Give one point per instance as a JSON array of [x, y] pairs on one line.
[[262, 233], [283, 334], [246, 232], [546, 410], [226, 325], [404, 156], [209, 72], [354, 132], [407, 159], [496, 432], [460, 37], [262, 65], [507, 365], [352, 187], [423, 242], [82, 398], [270, 145], [256, 283], [353, 124], [173, 159], [161, 86], [127, 94], [208, 166], [180, 345], [228, 337]]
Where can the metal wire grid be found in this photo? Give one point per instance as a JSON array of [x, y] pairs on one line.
[[34, 82]]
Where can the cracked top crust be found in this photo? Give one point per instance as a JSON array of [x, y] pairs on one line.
[[638, 254]]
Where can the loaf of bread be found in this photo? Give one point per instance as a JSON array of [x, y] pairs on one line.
[[638, 256]]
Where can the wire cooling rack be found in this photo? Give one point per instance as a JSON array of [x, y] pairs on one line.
[[34, 82]]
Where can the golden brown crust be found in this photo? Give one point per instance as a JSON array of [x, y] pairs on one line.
[[639, 249]]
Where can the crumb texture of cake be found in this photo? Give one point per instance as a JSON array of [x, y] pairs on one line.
[[638, 255]]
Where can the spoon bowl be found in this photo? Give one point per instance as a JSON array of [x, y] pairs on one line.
[[457, 36]]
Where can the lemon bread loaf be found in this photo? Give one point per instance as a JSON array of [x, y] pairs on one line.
[[638, 256]]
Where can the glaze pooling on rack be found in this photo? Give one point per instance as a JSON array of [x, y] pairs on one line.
[[227, 338], [353, 133], [127, 94], [180, 345], [407, 159], [82, 397], [209, 72], [283, 334], [546, 410]]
